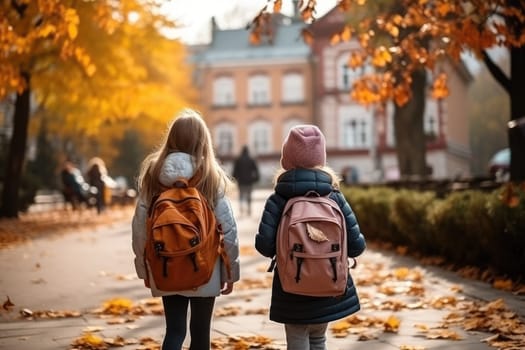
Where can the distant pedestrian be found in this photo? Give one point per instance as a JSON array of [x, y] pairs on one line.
[[96, 175], [303, 162], [246, 173], [72, 184], [187, 153]]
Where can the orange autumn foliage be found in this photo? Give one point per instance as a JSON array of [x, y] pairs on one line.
[[399, 37]]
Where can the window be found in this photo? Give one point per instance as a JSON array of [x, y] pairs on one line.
[[223, 91], [259, 90], [260, 137], [345, 75], [356, 127], [431, 119], [293, 88], [224, 136]]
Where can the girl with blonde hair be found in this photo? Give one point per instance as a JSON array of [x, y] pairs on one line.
[[187, 152]]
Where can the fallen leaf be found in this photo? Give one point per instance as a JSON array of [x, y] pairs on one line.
[[392, 324], [8, 304]]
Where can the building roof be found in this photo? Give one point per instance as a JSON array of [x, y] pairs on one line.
[[234, 44]]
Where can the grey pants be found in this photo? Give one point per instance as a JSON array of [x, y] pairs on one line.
[[306, 336]]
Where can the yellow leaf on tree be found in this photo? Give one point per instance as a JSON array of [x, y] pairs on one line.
[[277, 6], [443, 8], [308, 37], [381, 57], [255, 38], [401, 95], [72, 21], [335, 39], [439, 87], [355, 60], [346, 34]]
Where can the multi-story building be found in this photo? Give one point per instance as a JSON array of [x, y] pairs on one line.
[[253, 94]]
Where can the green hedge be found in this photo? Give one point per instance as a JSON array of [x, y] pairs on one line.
[[485, 229]]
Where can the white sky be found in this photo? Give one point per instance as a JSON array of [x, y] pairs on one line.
[[193, 16]]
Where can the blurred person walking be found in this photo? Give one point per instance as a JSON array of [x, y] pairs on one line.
[[246, 173], [96, 177]]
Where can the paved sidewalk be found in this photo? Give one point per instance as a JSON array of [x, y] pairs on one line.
[[80, 271]]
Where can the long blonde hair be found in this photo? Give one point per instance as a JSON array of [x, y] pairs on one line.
[[188, 133]]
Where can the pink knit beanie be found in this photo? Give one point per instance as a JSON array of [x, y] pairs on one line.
[[304, 147]]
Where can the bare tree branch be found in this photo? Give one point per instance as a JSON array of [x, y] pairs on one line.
[[496, 71]]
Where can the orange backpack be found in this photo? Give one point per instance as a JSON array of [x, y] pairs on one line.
[[183, 239]]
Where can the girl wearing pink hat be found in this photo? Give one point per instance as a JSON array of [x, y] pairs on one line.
[[303, 162]]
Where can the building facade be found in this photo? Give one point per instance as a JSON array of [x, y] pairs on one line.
[[253, 94]]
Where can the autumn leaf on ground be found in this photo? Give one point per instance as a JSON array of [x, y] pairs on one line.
[[242, 343], [8, 305], [254, 283], [261, 311], [392, 324], [411, 347], [148, 343], [503, 284], [340, 328], [118, 341], [520, 290], [227, 311], [248, 251], [89, 341], [443, 302], [443, 334], [117, 306], [48, 314], [123, 306], [92, 329]]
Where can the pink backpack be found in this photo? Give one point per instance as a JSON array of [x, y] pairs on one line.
[[311, 247]]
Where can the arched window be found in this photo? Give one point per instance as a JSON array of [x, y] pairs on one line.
[[293, 88], [260, 136], [224, 138], [223, 91], [259, 90]]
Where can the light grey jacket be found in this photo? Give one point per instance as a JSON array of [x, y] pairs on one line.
[[178, 165]]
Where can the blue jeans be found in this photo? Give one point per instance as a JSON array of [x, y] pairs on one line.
[[306, 336], [176, 315]]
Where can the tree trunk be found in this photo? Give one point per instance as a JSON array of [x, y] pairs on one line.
[[516, 131], [16, 153], [409, 131]]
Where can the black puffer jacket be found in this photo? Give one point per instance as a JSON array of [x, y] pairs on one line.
[[293, 308]]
